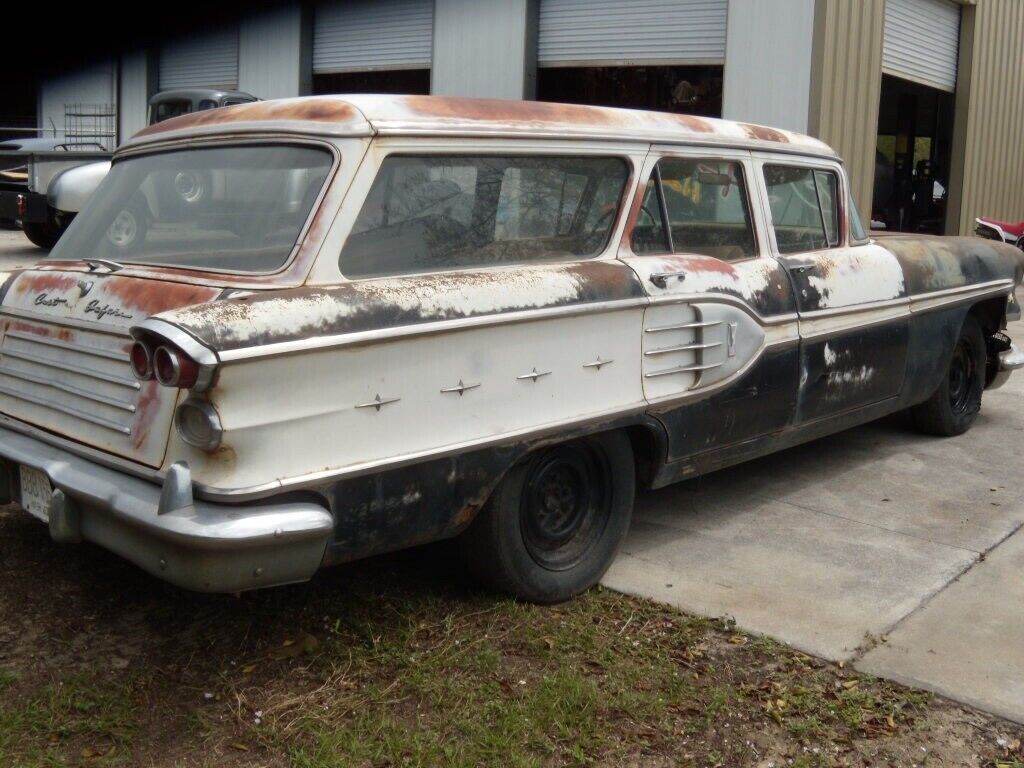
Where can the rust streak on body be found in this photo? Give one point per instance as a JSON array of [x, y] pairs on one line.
[[319, 110], [763, 133]]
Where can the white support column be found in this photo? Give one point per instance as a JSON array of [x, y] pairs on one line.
[[274, 53], [768, 59], [137, 84], [485, 48]]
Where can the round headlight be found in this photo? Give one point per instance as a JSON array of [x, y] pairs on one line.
[[198, 424]]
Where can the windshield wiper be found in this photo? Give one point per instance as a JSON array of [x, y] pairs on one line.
[[95, 264]]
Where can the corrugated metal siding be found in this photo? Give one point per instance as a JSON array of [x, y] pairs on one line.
[[574, 32], [481, 48], [362, 35], [993, 163], [208, 60], [922, 38], [846, 86], [270, 53]]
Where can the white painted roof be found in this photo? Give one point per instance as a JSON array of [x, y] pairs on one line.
[[375, 114]]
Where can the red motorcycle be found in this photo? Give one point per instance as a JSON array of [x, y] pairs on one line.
[[1003, 231]]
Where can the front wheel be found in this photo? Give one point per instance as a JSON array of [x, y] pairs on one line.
[[954, 406], [555, 523], [43, 234]]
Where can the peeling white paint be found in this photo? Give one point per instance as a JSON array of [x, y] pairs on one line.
[[859, 275]]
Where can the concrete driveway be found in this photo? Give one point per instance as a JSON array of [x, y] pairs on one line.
[[898, 552], [16, 251]]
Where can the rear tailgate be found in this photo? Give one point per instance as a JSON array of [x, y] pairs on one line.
[[64, 358]]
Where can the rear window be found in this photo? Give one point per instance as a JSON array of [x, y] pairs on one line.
[[224, 209], [436, 213]]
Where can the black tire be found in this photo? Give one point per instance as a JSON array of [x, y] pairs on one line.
[[555, 523], [44, 234], [954, 406]]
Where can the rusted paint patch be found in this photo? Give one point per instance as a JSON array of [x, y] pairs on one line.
[[764, 133], [101, 298], [369, 305], [154, 296], [312, 109]]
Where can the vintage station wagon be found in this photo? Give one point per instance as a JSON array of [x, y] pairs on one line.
[[355, 324]]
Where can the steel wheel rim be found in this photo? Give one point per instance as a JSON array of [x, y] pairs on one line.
[[961, 377], [123, 229], [565, 505]]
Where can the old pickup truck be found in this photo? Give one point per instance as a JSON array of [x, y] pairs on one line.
[[395, 320]]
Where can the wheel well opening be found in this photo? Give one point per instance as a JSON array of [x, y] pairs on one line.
[[645, 454], [990, 314]]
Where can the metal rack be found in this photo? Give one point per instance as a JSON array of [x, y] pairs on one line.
[[90, 123]]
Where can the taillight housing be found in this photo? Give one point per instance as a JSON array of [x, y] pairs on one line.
[[141, 358], [173, 358], [173, 368]]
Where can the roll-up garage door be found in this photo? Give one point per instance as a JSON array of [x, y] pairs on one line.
[[625, 32], [922, 41], [207, 60], [361, 35]]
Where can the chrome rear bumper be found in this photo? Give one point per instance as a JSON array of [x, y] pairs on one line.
[[193, 544], [1009, 361]]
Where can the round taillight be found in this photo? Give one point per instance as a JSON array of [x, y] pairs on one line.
[[166, 366], [142, 361], [174, 369]]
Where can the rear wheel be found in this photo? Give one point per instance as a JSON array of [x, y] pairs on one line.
[[954, 406], [556, 521]]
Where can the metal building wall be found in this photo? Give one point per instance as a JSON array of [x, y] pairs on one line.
[[274, 53], [485, 48], [846, 85], [768, 54], [92, 86], [988, 164]]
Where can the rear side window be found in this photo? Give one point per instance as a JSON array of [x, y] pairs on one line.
[[805, 212], [696, 206], [434, 213]]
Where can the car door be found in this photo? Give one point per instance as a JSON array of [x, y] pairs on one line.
[[720, 347], [850, 294]]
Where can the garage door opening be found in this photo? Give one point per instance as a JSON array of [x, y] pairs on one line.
[[695, 90], [912, 161], [414, 81]]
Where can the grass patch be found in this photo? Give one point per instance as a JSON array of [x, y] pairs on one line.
[[70, 720]]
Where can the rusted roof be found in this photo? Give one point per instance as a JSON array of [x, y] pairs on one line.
[[373, 114]]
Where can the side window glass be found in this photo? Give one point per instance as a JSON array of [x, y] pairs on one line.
[[706, 206], [857, 233], [432, 213], [805, 215], [828, 195]]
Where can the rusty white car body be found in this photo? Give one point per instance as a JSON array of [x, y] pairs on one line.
[[699, 288]]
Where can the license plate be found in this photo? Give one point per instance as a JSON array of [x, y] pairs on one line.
[[35, 493]]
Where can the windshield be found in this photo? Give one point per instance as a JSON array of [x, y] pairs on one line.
[[235, 209]]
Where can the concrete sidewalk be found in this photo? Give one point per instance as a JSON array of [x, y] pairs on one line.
[[879, 546]]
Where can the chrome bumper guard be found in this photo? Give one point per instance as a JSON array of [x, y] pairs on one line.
[[1009, 361], [193, 544]]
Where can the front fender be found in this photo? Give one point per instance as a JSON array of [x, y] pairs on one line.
[[70, 190]]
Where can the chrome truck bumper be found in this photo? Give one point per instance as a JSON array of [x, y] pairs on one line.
[[1009, 361], [193, 544]]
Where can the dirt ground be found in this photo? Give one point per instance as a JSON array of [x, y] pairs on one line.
[[398, 661]]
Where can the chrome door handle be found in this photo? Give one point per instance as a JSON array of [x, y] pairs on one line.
[[661, 279]]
